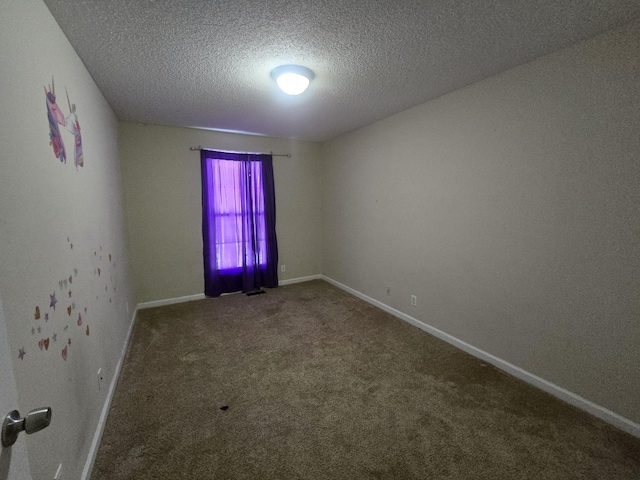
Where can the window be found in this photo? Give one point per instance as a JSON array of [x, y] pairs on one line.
[[230, 208]]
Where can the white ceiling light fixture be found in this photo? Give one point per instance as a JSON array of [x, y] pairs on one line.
[[292, 79]]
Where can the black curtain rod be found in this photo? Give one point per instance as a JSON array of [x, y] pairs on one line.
[[242, 153]]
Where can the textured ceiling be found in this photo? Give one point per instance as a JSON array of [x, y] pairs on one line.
[[206, 63]]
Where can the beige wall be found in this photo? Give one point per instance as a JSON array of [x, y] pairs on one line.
[[511, 208], [42, 202], [164, 205]]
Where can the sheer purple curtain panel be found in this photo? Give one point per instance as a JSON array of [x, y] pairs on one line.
[[238, 222]]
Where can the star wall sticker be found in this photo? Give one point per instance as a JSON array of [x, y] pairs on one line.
[[33, 331], [53, 301], [55, 337], [21, 353], [73, 305], [69, 342], [39, 329], [69, 293], [46, 317]]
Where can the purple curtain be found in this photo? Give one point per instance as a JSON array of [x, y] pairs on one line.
[[238, 222]]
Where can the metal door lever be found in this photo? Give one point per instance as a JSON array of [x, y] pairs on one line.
[[35, 421]]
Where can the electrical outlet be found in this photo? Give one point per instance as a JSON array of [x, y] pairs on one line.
[[100, 379], [414, 300], [58, 475], [283, 268], [388, 290]]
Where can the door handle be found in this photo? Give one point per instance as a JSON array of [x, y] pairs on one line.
[[33, 422]]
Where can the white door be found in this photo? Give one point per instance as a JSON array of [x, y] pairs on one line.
[[14, 463]]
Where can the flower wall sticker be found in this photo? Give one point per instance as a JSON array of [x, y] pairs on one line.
[[56, 117]]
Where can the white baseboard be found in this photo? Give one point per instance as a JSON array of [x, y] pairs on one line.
[[201, 296], [171, 301], [563, 394], [299, 280], [95, 444]]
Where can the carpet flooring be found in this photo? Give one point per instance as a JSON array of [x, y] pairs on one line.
[[309, 382]]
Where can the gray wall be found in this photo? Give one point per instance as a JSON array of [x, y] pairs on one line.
[[164, 205], [45, 207], [511, 208]]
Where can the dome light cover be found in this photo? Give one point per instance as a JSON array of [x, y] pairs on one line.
[[292, 79]]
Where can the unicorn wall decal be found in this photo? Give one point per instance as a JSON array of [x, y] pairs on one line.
[[56, 117], [73, 126]]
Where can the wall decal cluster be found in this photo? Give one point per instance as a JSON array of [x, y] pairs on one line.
[[47, 323]]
